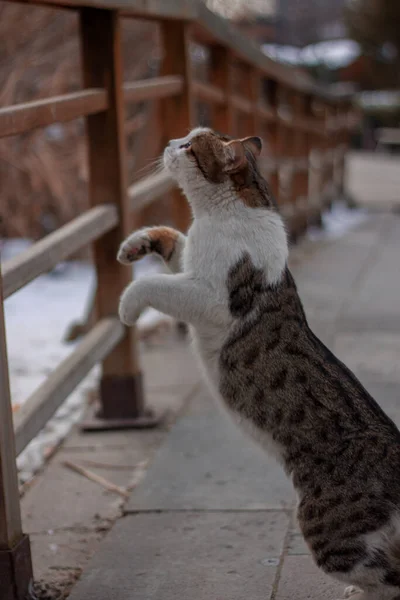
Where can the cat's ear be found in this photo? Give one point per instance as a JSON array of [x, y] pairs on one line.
[[235, 156], [254, 144]]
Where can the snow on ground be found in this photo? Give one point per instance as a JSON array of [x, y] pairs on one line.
[[338, 221], [38, 316]]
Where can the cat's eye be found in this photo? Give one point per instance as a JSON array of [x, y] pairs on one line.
[[187, 145]]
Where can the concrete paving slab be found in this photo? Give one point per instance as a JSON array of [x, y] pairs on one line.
[[375, 297], [186, 555], [66, 552], [336, 264], [65, 499], [302, 580], [376, 353], [179, 373], [297, 545], [208, 463]]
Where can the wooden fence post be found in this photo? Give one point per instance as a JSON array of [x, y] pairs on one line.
[[223, 116], [121, 389], [300, 173], [15, 555], [273, 137], [177, 112], [254, 88]]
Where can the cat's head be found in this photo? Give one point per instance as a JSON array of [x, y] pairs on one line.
[[215, 170]]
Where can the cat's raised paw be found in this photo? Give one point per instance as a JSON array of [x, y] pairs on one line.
[[133, 248]]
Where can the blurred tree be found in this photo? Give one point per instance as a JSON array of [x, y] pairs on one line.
[[375, 24]]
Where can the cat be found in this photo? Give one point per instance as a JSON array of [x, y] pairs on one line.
[[230, 281]]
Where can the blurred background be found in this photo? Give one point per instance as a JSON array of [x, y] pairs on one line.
[[324, 94], [350, 46]]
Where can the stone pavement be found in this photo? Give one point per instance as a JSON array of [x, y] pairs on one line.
[[212, 519], [373, 179]]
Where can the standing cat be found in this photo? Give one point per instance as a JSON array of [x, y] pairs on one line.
[[231, 282]]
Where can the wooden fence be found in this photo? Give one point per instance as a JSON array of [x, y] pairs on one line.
[[243, 93]]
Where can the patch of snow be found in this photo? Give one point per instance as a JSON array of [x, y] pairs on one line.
[[37, 317], [334, 54], [283, 53], [338, 221], [379, 98]]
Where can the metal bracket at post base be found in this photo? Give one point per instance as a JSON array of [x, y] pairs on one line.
[[16, 575], [121, 406]]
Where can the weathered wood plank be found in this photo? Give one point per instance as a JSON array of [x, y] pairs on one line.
[[40, 113], [242, 104], [45, 254], [222, 115], [10, 516], [149, 89], [208, 93], [147, 190], [44, 402], [102, 66], [265, 112], [148, 9], [177, 113]]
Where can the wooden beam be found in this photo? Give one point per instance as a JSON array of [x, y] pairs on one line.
[[265, 112], [147, 190], [149, 89], [102, 67], [222, 115], [177, 113], [208, 93], [146, 9], [10, 516], [43, 403], [242, 104], [40, 113], [15, 555], [48, 252]]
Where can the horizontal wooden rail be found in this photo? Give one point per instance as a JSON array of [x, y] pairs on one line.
[[270, 164], [43, 403], [148, 89], [266, 112], [40, 113], [209, 28], [48, 252], [208, 92], [148, 189], [211, 93], [242, 104]]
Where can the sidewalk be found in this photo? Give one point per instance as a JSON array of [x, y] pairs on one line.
[[212, 520]]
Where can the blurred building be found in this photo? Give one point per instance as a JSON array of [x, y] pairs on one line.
[[296, 22], [303, 22]]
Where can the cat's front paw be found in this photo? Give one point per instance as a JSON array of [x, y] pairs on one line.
[[134, 247], [130, 305]]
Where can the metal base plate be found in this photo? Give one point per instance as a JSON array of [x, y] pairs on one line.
[[16, 578], [147, 420]]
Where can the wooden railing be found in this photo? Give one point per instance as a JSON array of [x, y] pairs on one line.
[[305, 132]]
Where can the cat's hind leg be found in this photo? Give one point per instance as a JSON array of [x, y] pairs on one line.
[[166, 242], [379, 592]]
